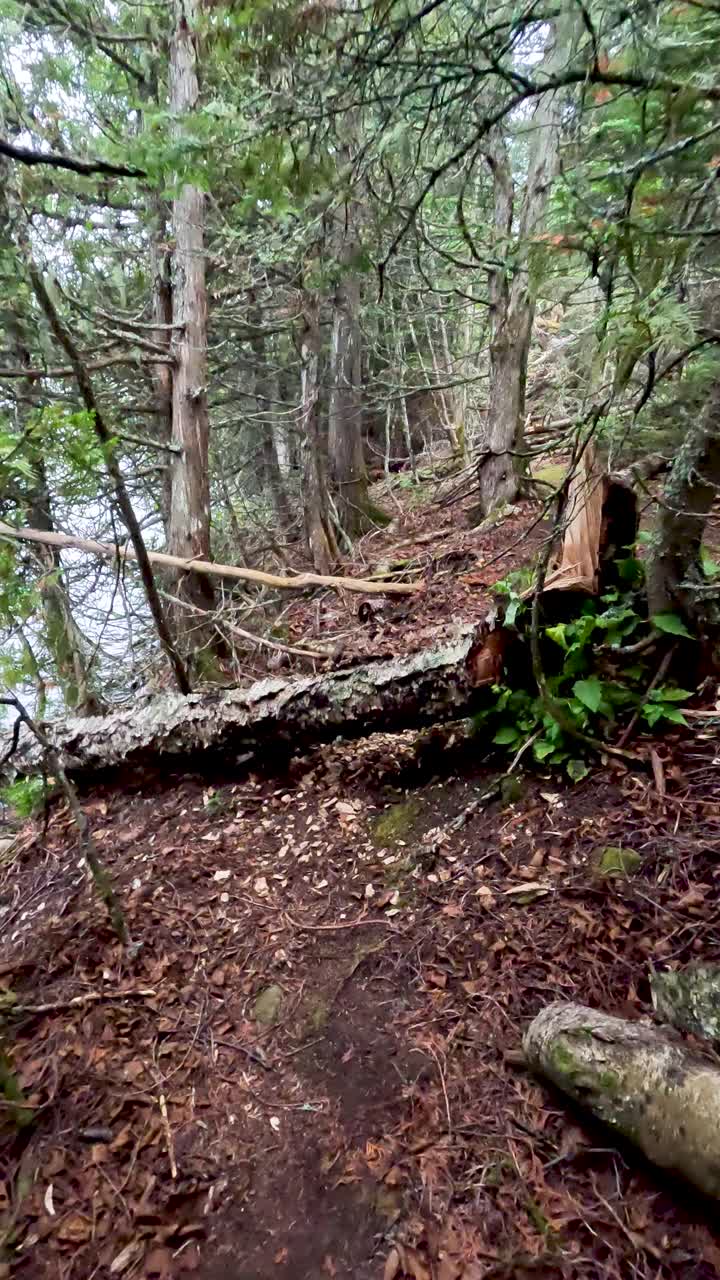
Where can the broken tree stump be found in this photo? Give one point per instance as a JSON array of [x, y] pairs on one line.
[[633, 1077]]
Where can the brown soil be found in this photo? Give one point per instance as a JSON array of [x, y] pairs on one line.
[[385, 1114]]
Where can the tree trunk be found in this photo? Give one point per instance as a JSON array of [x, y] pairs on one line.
[[400, 693], [189, 523], [345, 442], [265, 394], [63, 637], [162, 313], [675, 579], [634, 1078], [318, 529], [512, 292]]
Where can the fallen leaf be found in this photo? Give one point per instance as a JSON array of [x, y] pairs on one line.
[[260, 886], [392, 1265], [527, 892], [48, 1201], [221, 876], [75, 1229], [281, 1256], [123, 1259], [437, 978]]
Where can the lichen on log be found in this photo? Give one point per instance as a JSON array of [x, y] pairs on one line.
[[637, 1080], [272, 714], [689, 999]]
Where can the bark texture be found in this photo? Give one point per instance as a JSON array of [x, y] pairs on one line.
[[345, 442], [189, 520], [389, 695], [268, 465], [319, 534], [675, 579], [689, 999], [630, 1075]]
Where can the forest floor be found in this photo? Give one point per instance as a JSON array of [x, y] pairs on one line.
[[305, 1071]]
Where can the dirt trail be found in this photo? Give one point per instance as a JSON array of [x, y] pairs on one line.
[[383, 1114]]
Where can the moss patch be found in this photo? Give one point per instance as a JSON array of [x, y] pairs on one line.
[[395, 824], [266, 1009], [552, 475], [616, 861]]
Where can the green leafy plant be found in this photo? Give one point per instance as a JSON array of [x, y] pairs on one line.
[[25, 796], [586, 683]]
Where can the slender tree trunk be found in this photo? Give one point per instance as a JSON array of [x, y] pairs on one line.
[[63, 637], [345, 441], [162, 312], [318, 529], [675, 580], [189, 523], [265, 394], [64, 640], [512, 293]]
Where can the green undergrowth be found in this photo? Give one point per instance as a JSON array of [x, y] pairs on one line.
[[593, 686], [25, 797]]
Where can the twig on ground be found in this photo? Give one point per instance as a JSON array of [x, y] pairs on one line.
[[342, 924], [444, 1089], [168, 1136], [53, 1006]]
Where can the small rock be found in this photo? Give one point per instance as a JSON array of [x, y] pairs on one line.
[[266, 1008]]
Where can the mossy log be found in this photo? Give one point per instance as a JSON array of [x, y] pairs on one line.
[[689, 999], [637, 1080], [273, 716]]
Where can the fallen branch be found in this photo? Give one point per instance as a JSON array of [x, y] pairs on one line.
[[633, 1077], [297, 583], [53, 1006]]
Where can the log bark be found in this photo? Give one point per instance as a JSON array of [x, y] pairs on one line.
[[389, 695], [689, 999], [633, 1077]]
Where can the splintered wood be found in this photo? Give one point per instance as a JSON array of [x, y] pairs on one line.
[[581, 545]]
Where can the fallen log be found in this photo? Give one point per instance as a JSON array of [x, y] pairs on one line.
[[689, 999], [273, 714], [633, 1077], [108, 551]]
